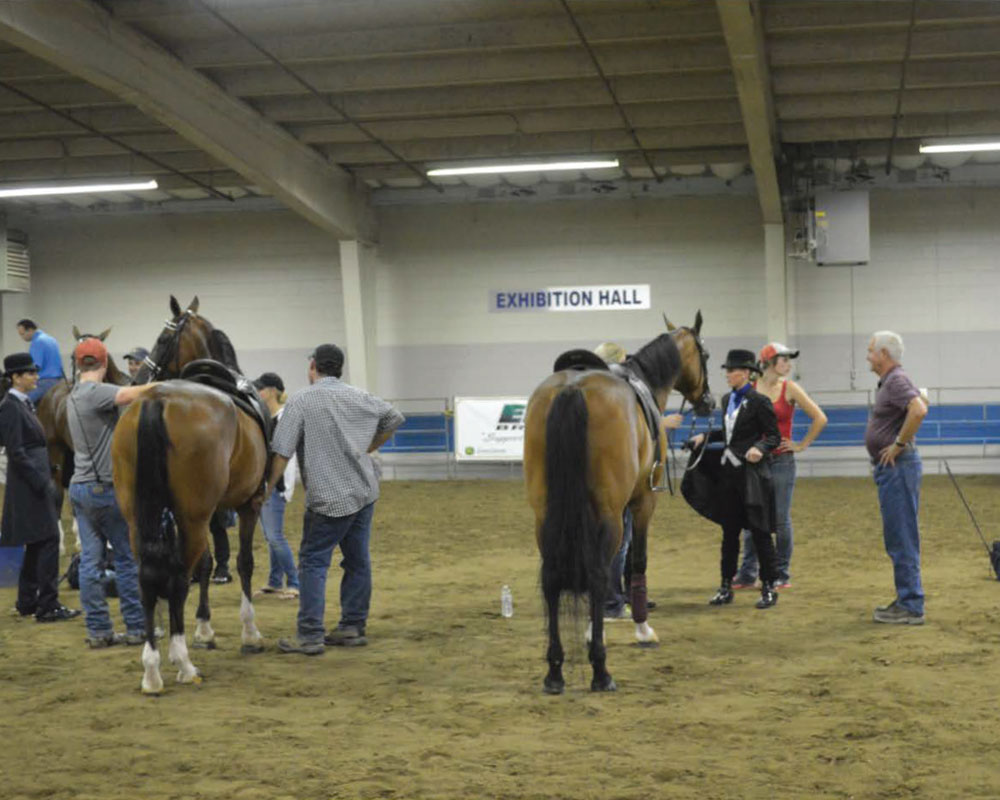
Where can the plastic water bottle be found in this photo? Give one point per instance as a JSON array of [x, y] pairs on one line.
[[506, 602]]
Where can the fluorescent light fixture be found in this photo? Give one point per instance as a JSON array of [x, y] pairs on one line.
[[537, 166], [960, 145], [78, 188]]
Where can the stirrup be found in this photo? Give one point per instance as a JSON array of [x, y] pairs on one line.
[[660, 487]]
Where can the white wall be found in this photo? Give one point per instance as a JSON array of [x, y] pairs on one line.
[[272, 282], [268, 279]]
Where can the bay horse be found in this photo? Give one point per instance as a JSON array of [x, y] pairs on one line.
[[179, 452], [52, 416], [589, 453]]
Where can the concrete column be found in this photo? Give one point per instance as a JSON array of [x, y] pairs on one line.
[[357, 274], [776, 283]]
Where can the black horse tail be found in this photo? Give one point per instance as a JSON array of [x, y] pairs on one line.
[[159, 557], [574, 540]]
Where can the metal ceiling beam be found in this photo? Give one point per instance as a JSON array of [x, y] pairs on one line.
[[82, 38], [742, 26]]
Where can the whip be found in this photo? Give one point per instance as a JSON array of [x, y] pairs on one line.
[[994, 552]]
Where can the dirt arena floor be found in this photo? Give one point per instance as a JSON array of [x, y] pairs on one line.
[[807, 700]]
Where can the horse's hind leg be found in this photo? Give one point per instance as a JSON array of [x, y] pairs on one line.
[[602, 680], [644, 632], [152, 682], [204, 636], [252, 640], [554, 683], [177, 589]]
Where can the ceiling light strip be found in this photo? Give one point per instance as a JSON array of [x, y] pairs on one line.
[[79, 188], [502, 169], [960, 147]]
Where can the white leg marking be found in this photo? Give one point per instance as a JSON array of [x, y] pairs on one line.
[[203, 633], [152, 683], [589, 635], [76, 532], [250, 633], [62, 539], [178, 654], [645, 633]]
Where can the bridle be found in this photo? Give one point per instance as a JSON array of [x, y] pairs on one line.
[[170, 349]]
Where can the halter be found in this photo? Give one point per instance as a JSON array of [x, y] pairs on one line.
[[705, 400], [172, 348]]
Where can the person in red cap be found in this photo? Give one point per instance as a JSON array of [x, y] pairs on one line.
[[785, 395], [92, 411]]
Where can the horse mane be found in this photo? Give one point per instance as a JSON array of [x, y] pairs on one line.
[[221, 349], [659, 360]]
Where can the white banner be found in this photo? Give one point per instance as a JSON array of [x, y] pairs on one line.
[[622, 297], [489, 428]]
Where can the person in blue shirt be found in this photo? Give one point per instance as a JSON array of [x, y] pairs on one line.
[[45, 352]]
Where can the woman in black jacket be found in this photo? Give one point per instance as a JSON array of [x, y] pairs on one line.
[[29, 514], [742, 495]]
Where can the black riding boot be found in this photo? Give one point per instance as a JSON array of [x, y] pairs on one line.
[[724, 595], [768, 597]]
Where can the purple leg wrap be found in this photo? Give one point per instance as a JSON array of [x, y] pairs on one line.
[[639, 611]]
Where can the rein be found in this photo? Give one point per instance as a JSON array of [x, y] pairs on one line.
[[173, 347]]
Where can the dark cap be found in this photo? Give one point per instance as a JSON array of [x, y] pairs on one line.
[[329, 359], [137, 354], [269, 379], [19, 362]]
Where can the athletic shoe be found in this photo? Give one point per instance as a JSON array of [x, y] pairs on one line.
[[58, 614], [304, 648], [613, 615], [898, 615], [744, 583], [346, 636], [105, 640], [888, 606]]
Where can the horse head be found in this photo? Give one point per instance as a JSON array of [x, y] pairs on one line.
[[693, 380], [185, 337], [113, 375]]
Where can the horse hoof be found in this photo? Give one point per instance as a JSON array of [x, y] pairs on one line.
[[210, 645], [251, 649], [608, 685], [194, 680], [553, 687], [151, 692]]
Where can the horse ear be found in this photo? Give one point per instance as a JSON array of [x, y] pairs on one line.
[[668, 323], [193, 307], [697, 323], [104, 334], [175, 307], [76, 333]]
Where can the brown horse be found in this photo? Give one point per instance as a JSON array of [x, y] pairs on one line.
[[52, 415], [588, 453], [178, 453]]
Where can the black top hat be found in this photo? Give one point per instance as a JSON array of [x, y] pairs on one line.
[[19, 362], [741, 359], [269, 379]]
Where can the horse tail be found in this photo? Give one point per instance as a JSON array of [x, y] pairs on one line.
[[574, 540], [156, 531]]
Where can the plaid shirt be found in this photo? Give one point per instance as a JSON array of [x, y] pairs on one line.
[[330, 426]]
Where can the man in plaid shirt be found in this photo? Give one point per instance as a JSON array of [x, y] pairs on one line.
[[333, 427]]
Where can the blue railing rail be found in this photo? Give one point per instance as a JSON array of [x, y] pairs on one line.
[[432, 431]]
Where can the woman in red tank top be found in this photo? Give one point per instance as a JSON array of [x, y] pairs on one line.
[[785, 395]]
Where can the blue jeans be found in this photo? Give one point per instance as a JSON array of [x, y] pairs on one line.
[[617, 594], [98, 516], [272, 520], [783, 479], [320, 535], [899, 501], [43, 385]]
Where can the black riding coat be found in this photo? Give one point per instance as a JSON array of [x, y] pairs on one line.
[[756, 426], [29, 513]]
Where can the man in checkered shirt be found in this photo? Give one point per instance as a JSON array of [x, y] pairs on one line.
[[333, 427]]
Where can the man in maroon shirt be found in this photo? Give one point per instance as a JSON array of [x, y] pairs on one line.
[[898, 411]]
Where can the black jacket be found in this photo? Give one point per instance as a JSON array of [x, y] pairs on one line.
[[29, 513], [756, 426]]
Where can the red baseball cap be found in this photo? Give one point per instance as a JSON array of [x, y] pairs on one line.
[[772, 349], [93, 349]]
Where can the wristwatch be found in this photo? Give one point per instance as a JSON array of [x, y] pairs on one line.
[[900, 443]]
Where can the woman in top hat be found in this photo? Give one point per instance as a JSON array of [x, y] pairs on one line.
[[29, 513], [743, 496], [785, 395]]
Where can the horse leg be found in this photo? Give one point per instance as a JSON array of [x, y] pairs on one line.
[[252, 640], [177, 653], [597, 652], [152, 682], [644, 633], [554, 683], [204, 636]]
